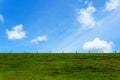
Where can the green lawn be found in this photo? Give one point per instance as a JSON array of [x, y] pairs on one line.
[[59, 66]]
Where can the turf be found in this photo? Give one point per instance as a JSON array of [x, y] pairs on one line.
[[59, 66]]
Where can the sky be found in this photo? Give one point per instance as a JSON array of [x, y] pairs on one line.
[[59, 25]]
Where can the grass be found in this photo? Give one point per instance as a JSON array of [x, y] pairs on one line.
[[59, 66]]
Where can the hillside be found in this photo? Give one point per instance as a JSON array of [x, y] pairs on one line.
[[59, 66]]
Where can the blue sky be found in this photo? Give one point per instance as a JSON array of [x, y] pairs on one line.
[[59, 25]]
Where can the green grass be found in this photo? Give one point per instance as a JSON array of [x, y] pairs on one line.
[[59, 66]]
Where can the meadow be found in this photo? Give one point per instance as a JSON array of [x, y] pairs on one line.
[[67, 66]]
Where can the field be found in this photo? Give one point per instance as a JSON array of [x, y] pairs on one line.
[[60, 66]]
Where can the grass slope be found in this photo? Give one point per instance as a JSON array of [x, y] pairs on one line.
[[59, 66]]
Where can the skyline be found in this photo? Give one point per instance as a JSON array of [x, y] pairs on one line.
[[59, 25]]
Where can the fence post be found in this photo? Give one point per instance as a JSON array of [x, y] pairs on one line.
[[36, 51], [102, 52], [76, 52], [89, 51]]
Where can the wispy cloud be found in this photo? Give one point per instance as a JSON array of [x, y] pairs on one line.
[[17, 32], [39, 39], [1, 18], [87, 22], [112, 5], [86, 16], [98, 45]]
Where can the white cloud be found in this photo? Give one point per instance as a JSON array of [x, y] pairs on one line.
[[1, 18], [86, 17], [39, 39], [86, 2], [112, 5], [98, 45], [17, 32]]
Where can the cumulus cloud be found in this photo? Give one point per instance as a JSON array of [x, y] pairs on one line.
[[1, 18], [17, 32], [98, 45], [112, 5], [86, 17], [39, 39]]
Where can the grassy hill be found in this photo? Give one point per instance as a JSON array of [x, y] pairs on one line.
[[59, 66]]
